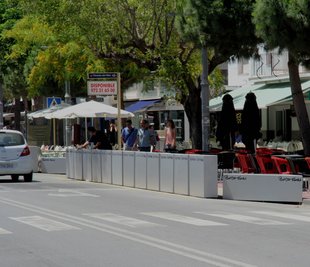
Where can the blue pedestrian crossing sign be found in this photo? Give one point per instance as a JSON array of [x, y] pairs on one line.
[[53, 101]]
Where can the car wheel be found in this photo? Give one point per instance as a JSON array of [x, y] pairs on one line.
[[14, 177], [28, 177]]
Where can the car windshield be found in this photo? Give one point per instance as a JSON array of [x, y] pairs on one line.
[[11, 139]]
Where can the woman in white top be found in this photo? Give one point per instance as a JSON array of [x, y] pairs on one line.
[[170, 136]]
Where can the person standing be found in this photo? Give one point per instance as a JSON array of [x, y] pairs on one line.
[[227, 124], [250, 122], [155, 136], [112, 133], [129, 136], [97, 140], [145, 137], [170, 136]]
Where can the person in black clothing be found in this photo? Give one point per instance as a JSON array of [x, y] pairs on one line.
[[112, 133], [98, 138], [227, 124], [250, 122]]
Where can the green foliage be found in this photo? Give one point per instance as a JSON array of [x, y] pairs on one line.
[[285, 24], [12, 70], [225, 26]]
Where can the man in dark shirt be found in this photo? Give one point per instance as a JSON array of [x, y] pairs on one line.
[[98, 139]]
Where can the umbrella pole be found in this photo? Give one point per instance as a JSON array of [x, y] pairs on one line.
[[54, 131]]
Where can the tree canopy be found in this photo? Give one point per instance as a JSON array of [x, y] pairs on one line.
[[286, 24], [64, 39]]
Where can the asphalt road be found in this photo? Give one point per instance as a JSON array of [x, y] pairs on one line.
[[55, 221]]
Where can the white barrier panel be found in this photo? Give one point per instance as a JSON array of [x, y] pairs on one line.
[[53, 165], [152, 172], [70, 163], [34, 153], [181, 179], [194, 175], [117, 167], [87, 161], [262, 187], [203, 176], [106, 166], [96, 166], [129, 168], [140, 169], [166, 172], [78, 164]]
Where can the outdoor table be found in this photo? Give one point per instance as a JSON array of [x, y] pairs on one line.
[[297, 163]]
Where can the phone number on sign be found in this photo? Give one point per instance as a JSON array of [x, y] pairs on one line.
[[102, 88]]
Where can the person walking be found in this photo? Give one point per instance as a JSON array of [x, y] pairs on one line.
[[129, 136], [250, 122], [170, 136], [145, 137], [227, 124]]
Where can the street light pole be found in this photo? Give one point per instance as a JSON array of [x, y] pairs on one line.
[[205, 112], [67, 121], [119, 102], [1, 106]]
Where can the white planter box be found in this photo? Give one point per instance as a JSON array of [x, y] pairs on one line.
[[262, 187], [140, 169], [87, 162], [78, 164], [96, 166], [53, 165], [203, 176], [117, 167], [70, 164], [181, 175], [166, 172], [35, 151], [106, 166], [152, 173], [129, 168]]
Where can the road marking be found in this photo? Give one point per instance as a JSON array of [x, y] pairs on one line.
[[4, 232], [183, 219], [184, 251], [285, 215], [245, 219], [44, 223], [71, 193], [122, 220]]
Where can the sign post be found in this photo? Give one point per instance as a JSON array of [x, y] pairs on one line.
[[119, 102], [104, 84]]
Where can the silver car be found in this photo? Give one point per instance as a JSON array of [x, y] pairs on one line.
[[15, 158]]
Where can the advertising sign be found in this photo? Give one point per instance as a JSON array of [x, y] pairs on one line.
[[102, 87]]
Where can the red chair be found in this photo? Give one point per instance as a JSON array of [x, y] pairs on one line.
[[282, 165], [266, 164], [246, 163], [193, 151], [307, 159]]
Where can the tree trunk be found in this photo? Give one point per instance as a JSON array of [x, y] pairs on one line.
[[192, 107], [17, 110], [299, 104]]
